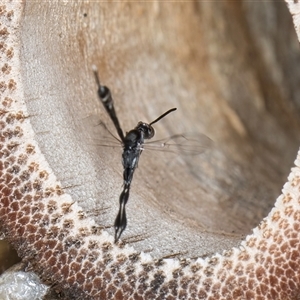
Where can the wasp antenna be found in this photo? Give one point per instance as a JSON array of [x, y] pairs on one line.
[[163, 115]]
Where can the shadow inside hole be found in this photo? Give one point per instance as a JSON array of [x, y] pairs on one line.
[[8, 256]]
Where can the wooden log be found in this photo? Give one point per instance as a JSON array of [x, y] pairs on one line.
[[231, 73]]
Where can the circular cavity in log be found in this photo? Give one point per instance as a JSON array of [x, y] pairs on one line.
[[152, 59]]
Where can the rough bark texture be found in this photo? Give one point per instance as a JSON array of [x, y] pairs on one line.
[[232, 71]]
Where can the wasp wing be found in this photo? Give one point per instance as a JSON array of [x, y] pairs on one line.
[[183, 144]]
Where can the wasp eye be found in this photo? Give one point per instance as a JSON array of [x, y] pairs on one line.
[[150, 132]]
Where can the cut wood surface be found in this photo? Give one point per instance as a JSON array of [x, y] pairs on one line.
[[232, 71]]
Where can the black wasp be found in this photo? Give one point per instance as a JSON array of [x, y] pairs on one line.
[[132, 144]]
